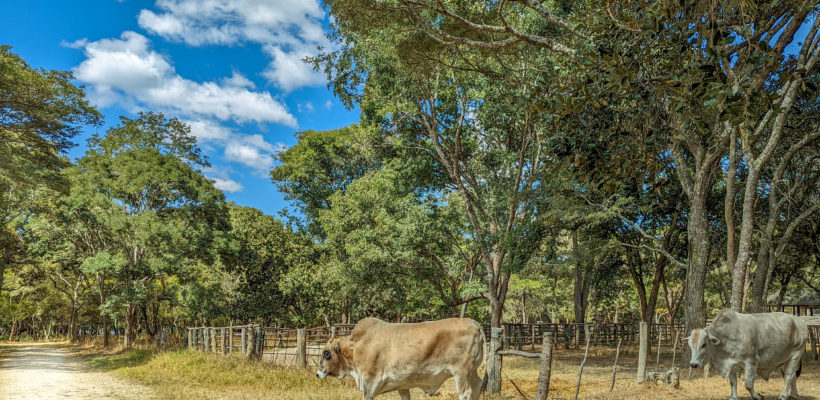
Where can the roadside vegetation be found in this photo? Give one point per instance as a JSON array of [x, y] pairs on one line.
[[185, 374], [514, 162]]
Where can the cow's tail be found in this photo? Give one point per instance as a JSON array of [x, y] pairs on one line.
[[486, 360], [485, 352]]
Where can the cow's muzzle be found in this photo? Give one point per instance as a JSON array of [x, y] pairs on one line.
[[320, 374], [694, 365]]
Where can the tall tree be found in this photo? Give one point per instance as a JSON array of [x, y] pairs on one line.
[[41, 111], [168, 214]]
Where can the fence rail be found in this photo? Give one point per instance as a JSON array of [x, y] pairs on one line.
[[303, 346], [520, 336]]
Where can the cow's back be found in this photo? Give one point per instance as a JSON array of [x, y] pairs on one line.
[[417, 348], [770, 338]]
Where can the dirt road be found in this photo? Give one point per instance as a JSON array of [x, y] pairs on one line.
[[47, 371]]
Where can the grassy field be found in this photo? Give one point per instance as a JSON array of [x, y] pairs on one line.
[[184, 374]]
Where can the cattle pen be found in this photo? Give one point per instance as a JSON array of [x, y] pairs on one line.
[[288, 346], [302, 347]]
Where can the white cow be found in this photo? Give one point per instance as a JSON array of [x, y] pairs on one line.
[[758, 343]]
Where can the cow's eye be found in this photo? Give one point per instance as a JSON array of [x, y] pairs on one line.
[[326, 355], [704, 346]]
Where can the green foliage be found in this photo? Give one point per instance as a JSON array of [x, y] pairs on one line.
[[320, 164], [41, 111], [274, 269]]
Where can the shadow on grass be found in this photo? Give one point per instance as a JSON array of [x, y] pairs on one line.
[[121, 359]]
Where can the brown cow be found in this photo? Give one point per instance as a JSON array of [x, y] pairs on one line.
[[382, 357]]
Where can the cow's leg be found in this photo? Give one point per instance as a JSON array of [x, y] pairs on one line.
[[749, 380], [789, 378], [475, 385], [405, 394], [368, 390], [733, 382], [464, 385]]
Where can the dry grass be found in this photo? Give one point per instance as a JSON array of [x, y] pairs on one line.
[[184, 374]]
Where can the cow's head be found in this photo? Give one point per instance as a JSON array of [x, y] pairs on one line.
[[700, 340], [335, 357]]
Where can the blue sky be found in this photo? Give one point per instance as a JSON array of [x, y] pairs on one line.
[[230, 68]]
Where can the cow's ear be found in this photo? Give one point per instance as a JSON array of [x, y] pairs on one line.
[[346, 352], [714, 340]]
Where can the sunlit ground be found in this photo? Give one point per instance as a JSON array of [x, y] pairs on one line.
[[182, 375]]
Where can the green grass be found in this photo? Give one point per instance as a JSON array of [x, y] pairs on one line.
[[183, 374], [128, 359]]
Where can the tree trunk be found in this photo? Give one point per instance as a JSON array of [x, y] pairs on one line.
[[106, 330], [130, 325], [744, 246], [72, 321], [698, 233], [13, 329], [759, 279], [581, 290], [729, 207]]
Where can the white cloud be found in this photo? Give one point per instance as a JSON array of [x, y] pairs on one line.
[[128, 72], [238, 80], [289, 30], [77, 44], [227, 185], [289, 72], [222, 181], [328, 104], [205, 130], [253, 151], [306, 107], [250, 150], [249, 156]]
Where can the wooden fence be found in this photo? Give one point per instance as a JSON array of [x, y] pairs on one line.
[[302, 347], [285, 346], [280, 345], [814, 341], [519, 336]]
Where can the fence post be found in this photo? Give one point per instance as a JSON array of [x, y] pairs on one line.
[[813, 337], [534, 328], [301, 348], [213, 340], [206, 340], [494, 369], [642, 351], [190, 338], [577, 336], [163, 340], [615, 365], [250, 341], [583, 362], [244, 340], [230, 339], [224, 333], [332, 332], [259, 343], [546, 367]]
